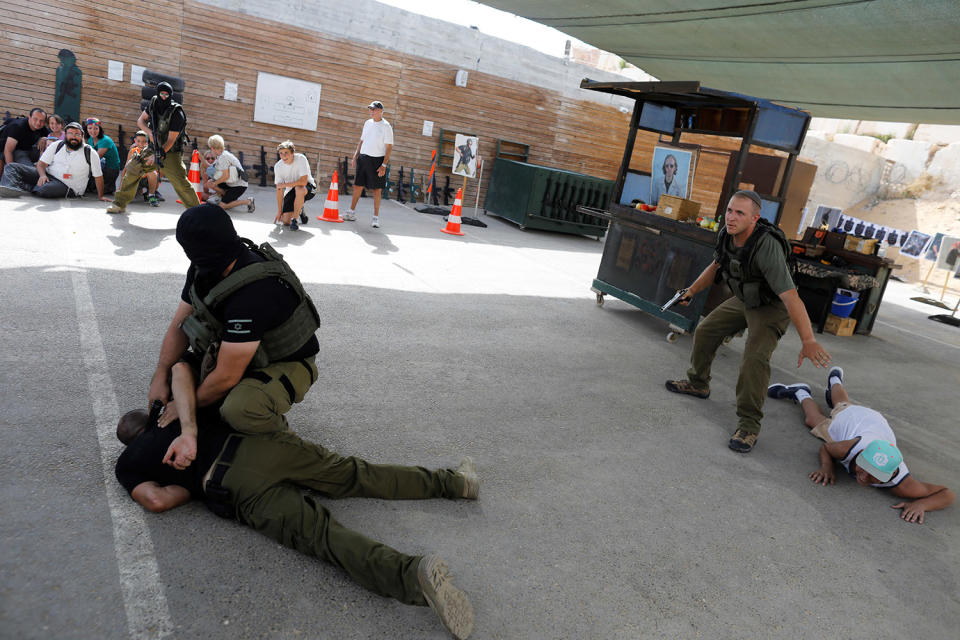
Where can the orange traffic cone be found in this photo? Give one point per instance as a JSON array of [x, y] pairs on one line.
[[453, 220], [194, 175], [331, 211]]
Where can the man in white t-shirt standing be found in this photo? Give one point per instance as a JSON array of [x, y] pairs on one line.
[[63, 168], [861, 440], [371, 159]]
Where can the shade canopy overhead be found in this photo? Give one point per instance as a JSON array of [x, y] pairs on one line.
[[887, 60]]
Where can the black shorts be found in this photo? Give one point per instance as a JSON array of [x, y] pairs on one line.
[[367, 172], [292, 195], [230, 193]]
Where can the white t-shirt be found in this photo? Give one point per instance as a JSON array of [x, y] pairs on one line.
[[376, 136], [71, 163], [222, 166], [283, 172], [867, 424]]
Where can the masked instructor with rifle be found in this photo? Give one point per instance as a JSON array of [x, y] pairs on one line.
[[166, 125], [751, 257]]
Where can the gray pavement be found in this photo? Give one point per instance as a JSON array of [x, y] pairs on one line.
[[609, 508]]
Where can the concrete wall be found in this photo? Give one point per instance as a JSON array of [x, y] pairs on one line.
[[910, 159], [935, 133], [863, 143], [938, 133], [946, 164], [433, 39], [845, 175]]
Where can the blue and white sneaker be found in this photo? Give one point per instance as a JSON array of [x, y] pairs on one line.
[[784, 391], [835, 372]]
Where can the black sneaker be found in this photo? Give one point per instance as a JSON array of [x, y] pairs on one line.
[[294, 226], [784, 391], [834, 372], [685, 387], [303, 216], [743, 442]]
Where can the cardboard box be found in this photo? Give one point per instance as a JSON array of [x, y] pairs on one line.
[[677, 208], [860, 245], [839, 326]]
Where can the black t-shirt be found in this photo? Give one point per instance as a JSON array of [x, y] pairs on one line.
[[26, 137], [142, 460], [178, 120], [256, 308]]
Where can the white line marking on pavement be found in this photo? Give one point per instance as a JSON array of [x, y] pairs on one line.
[[917, 335], [143, 596]]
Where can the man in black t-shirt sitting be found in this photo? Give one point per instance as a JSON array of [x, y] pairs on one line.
[[20, 138], [260, 480], [248, 322]]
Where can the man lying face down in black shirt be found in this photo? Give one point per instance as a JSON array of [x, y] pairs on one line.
[[261, 481]]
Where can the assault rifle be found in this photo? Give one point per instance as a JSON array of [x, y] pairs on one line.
[[158, 151]]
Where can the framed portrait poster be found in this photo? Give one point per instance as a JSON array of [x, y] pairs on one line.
[[672, 172], [949, 257], [915, 244], [465, 155]]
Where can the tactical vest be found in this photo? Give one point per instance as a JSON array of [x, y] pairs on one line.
[[162, 123], [204, 331], [746, 282]]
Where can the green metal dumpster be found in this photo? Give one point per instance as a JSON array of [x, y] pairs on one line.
[[538, 197]]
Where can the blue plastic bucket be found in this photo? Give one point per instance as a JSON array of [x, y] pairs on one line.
[[843, 303]]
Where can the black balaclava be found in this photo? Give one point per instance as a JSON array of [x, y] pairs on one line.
[[208, 238], [163, 105]]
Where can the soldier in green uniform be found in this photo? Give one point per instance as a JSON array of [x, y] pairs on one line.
[[260, 481], [249, 325], [751, 256], [168, 140]]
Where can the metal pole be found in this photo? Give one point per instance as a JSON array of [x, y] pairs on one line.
[[476, 204]]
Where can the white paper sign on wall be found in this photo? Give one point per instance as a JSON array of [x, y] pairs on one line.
[[136, 75], [287, 102]]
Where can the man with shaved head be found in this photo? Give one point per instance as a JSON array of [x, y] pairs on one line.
[[751, 257]]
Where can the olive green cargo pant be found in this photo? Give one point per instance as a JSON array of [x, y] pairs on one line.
[[266, 479], [765, 326], [259, 401], [173, 171]]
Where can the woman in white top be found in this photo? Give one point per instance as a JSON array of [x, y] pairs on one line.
[[226, 181], [862, 441], [295, 185]]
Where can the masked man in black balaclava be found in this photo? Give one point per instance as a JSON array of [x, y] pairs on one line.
[[167, 142], [244, 323]]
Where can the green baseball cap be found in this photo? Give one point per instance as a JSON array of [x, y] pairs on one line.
[[880, 459]]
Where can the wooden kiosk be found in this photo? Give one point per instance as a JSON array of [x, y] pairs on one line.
[[648, 257]]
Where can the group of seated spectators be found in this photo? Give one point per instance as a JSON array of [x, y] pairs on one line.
[[50, 158], [43, 155]]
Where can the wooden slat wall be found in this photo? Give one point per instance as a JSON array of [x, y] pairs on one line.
[[206, 46], [576, 135]]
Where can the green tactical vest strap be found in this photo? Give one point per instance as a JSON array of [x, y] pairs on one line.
[[202, 327]]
